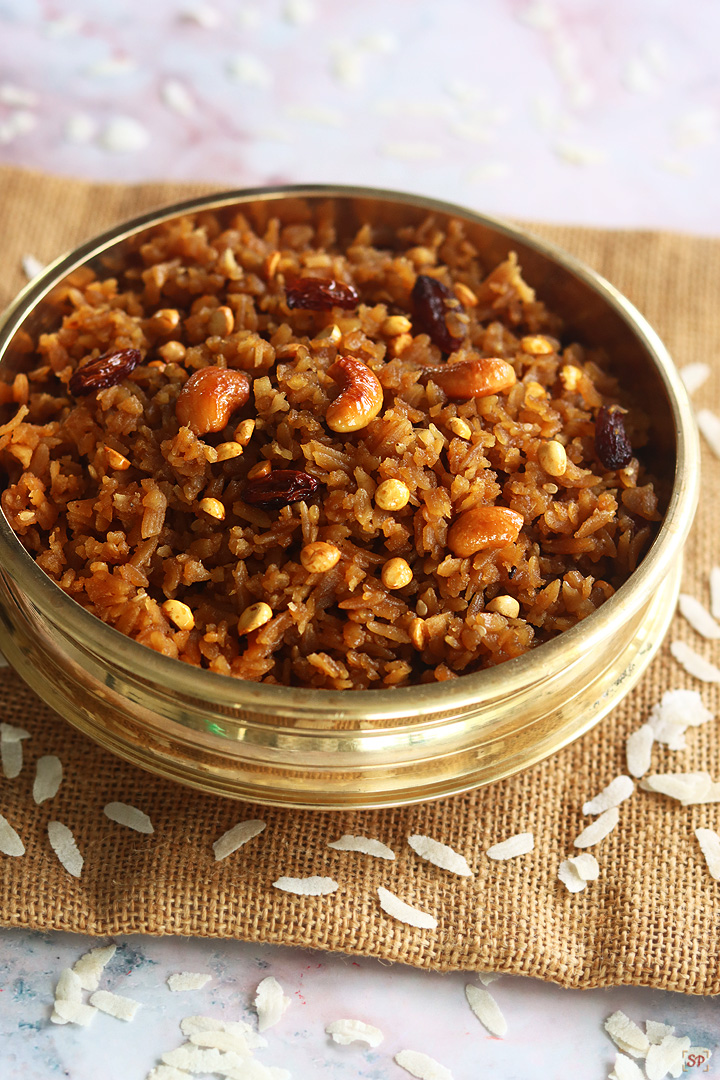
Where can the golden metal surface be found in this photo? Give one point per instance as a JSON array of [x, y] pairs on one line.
[[331, 749]]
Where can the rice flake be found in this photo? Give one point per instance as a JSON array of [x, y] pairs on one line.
[[690, 787], [694, 664], [698, 616], [188, 980], [10, 842], [709, 425], [197, 1059], [12, 733], [676, 711], [656, 1031], [520, 844], [31, 266], [709, 842], [598, 829], [91, 965], [222, 1040], [616, 792], [11, 755], [363, 844], [638, 750], [69, 987], [270, 1003], [123, 1008], [569, 876], [440, 855], [422, 1065], [694, 375], [234, 838], [586, 866], [177, 97], [345, 1032], [626, 1035], [666, 1057], [48, 777], [124, 135], [488, 977], [307, 886], [201, 1025], [63, 844], [487, 1010], [73, 1012], [398, 909], [626, 1069], [130, 816]]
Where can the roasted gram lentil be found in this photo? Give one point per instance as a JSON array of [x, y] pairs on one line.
[[180, 535]]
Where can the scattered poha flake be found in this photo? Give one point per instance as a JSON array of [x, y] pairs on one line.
[[599, 828], [199, 1025], [626, 1035], [715, 592], [13, 733], [577, 154], [11, 754], [656, 1031], [617, 791], [124, 135], [10, 842], [270, 1003], [520, 844], [398, 909], [586, 866], [666, 1057], [363, 844], [73, 1012], [638, 750], [17, 97], [306, 886], [250, 70], [79, 128], [570, 877], [48, 777], [237, 836], [202, 15], [709, 425], [63, 844], [694, 664], [130, 816], [626, 1069], [167, 1072], [694, 375], [188, 980], [177, 97], [709, 842], [676, 711], [685, 787], [698, 616], [422, 1065], [298, 12], [345, 1032], [198, 1059], [111, 66], [122, 1008], [69, 987], [91, 964], [487, 1010], [709, 795], [31, 266], [222, 1040], [488, 977], [440, 855]]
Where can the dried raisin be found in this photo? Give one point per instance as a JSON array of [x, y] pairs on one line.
[[430, 306], [106, 370], [279, 488], [321, 294], [612, 444]]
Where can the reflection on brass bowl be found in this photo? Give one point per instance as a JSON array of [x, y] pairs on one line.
[[349, 749]]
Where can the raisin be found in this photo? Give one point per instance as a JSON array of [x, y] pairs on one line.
[[321, 294], [279, 488], [429, 299], [612, 445], [106, 370]]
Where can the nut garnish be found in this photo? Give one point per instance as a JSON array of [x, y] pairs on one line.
[[213, 507], [392, 495], [537, 345], [474, 378], [180, 614], [484, 527], [210, 397], [244, 431], [319, 557], [116, 460], [221, 322], [360, 398], [254, 617], [504, 605], [396, 324], [396, 574], [227, 450], [172, 352], [553, 458], [460, 427]]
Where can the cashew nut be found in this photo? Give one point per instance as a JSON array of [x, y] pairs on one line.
[[210, 397], [360, 398], [478, 377]]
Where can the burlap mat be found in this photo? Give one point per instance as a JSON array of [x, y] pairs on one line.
[[652, 918]]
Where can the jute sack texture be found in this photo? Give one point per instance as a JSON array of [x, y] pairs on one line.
[[652, 918]]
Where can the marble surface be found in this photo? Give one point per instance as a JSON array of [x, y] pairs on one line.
[[577, 111]]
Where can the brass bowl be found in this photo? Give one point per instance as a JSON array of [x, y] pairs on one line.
[[332, 749]]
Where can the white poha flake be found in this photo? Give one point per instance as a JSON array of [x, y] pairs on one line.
[[440, 855], [698, 616], [570, 877], [398, 909], [709, 425], [488, 977], [599, 828], [709, 842], [198, 1059], [363, 844], [63, 844], [73, 1012], [487, 1010], [91, 964], [270, 1003], [69, 987], [124, 135], [715, 592], [691, 787], [48, 777], [122, 1008], [666, 1057], [694, 664], [12, 733], [694, 375], [306, 886], [237, 836], [656, 1031], [617, 791], [202, 1025], [17, 97], [249, 70], [110, 67], [130, 816], [221, 1040], [80, 128], [31, 266], [422, 1065], [10, 842], [177, 97], [345, 1032], [11, 754], [626, 1035], [638, 750], [626, 1069], [298, 12], [520, 844], [676, 711], [188, 980], [586, 866]]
